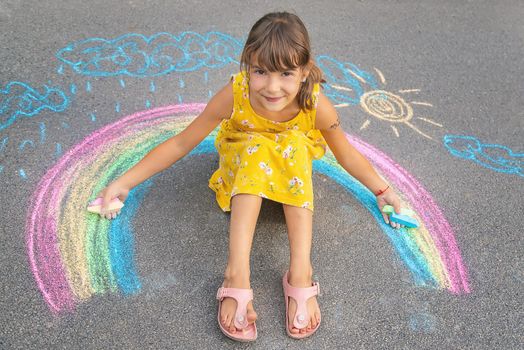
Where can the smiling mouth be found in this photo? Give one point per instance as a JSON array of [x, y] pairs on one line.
[[272, 99]]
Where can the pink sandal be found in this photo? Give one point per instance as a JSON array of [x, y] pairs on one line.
[[243, 297], [301, 295]]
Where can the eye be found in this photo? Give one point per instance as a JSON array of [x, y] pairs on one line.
[[259, 71], [287, 74]]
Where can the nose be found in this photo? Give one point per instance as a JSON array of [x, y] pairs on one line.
[[273, 84]]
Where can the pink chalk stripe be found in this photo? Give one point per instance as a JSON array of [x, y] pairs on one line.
[[422, 202], [48, 271]]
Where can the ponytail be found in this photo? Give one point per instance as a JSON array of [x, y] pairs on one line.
[[305, 98]]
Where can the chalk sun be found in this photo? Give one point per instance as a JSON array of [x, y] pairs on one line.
[[392, 108]]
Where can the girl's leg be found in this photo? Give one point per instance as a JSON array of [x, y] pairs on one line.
[[299, 223], [244, 214]]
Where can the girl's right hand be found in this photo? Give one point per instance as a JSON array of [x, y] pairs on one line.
[[114, 190]]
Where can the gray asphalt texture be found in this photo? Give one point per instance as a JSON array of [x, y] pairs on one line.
[[466, 57]]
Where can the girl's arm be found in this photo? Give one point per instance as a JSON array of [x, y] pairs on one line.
[[349, 158], [171, 150]]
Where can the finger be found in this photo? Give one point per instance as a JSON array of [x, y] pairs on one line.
[[113, 215], [386, 218], [106, 199], [397, 207]]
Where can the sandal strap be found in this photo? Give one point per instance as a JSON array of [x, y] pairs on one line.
[[301, 295], [243, 296]]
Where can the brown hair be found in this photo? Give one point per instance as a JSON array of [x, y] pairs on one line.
[[279, 41]]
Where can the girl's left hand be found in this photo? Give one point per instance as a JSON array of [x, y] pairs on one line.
[[391, 198]]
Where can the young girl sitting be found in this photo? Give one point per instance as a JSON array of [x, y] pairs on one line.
[[274, 121]]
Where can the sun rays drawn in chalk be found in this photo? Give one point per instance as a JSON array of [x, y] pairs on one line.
[[388, 106], [133, 59]]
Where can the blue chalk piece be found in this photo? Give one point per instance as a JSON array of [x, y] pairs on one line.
[[117, 108], [404, 220]]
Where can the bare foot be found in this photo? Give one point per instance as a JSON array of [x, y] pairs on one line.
[[303, 281], [229, 305]]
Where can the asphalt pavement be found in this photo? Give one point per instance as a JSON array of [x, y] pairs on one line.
[[432, 90]]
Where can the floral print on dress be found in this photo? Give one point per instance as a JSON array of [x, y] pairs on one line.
[[289, 151], [262, 157], [252, 149], [295, 186], [246, 122], [265, 166]]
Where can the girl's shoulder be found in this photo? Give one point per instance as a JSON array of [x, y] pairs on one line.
[[222, 101], [326, 116]]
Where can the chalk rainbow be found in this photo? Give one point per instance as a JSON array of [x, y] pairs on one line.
[[74, 254]]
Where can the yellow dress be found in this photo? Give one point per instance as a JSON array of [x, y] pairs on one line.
[[266, 158]]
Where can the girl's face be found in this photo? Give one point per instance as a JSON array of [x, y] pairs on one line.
[[273, 93]]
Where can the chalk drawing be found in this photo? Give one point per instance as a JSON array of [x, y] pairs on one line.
[[495, 157], [26, 142], [58, 150], [392, 108], [71, 253], [3, 144], [21, 100], [138, 55], [42, 132], [422, 322], [156, 283]]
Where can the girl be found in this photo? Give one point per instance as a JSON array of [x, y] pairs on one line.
[[273, 122]]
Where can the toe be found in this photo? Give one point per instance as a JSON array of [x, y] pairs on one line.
[[227, 321], [313, 322], [251, 314]]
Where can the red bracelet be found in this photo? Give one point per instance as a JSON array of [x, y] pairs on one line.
[[381, 191]]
